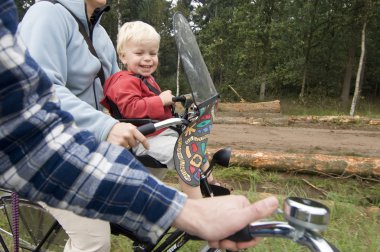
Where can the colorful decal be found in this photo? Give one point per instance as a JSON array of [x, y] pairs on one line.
[[190, 149]]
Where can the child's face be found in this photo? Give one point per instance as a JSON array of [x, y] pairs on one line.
[[141, 57]]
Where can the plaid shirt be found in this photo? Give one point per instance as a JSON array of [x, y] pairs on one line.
[[45, 157]]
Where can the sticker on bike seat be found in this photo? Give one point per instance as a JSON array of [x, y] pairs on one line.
[[190, 149]]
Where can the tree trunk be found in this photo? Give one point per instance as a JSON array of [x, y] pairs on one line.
[[268, 9], [306, 163], [307, 50], [303, 84], [262, 91], [359, 74], [345, 95]]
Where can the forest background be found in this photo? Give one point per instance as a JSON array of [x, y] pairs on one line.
[[308, 50]]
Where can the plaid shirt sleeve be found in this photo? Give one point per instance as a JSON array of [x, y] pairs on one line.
[[44, 157]]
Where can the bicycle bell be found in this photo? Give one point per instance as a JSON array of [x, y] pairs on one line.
[[306, 214]]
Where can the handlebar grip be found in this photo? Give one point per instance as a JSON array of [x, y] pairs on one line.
[[147, 129], [180, 98], [240, 236]]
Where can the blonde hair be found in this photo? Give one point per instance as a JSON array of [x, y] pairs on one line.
[[135, 31]]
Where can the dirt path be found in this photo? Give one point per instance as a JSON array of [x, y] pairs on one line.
[[296, 140]]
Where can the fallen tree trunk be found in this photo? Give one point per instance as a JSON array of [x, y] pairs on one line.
[[306, 163]]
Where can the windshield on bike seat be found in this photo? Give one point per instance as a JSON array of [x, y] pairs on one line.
[[196, 71]]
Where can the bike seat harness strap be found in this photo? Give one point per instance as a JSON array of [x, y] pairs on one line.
[[146, 82], [153, 89]]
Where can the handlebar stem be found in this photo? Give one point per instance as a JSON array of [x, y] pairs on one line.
[[304, 237]]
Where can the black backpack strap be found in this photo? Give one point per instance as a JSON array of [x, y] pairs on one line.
[[88, 40], [82, 30]]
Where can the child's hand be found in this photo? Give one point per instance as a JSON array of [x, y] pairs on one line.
[[166, 98]]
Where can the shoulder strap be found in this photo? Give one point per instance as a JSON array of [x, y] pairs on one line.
[[88, 40], [150, 87]]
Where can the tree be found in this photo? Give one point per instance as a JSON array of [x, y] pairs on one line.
[[360, 71]]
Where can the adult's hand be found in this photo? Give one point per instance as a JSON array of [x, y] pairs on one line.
[[127, 135], [214, 219]]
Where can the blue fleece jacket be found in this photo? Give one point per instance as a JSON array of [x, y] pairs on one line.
[[51, 34]]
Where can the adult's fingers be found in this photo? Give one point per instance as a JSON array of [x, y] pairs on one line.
[[140, 138], [127, 135]]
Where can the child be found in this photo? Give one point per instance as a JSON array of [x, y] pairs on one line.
[[137, 95]]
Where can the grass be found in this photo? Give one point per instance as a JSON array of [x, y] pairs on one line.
[[329, 107], [354, 205]]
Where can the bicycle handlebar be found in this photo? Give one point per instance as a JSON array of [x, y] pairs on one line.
[[150, 128], [147, 129]]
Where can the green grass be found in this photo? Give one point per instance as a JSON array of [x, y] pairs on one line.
[[354, 205], [329, 107]]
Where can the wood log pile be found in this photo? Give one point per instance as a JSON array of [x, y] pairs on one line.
[[258, 107], [260, 113]]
